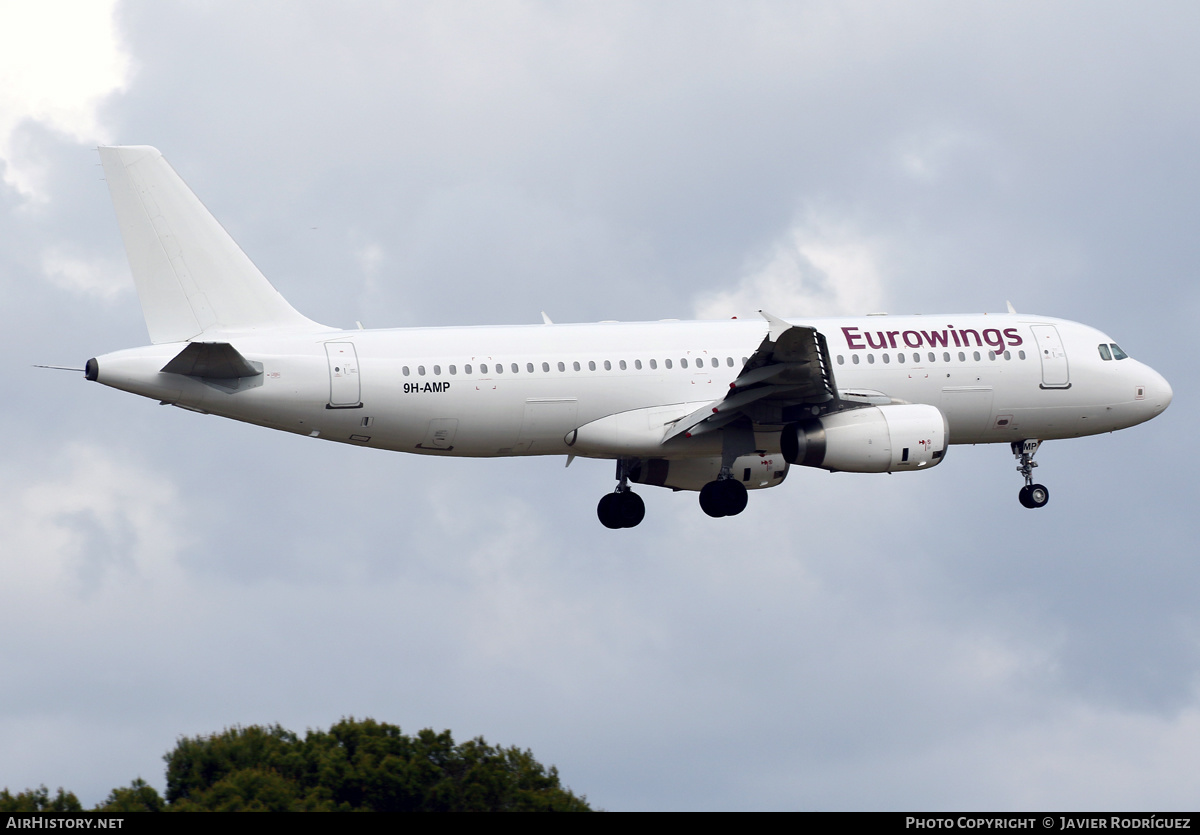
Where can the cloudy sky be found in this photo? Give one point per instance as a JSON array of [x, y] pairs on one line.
[[850, 642]]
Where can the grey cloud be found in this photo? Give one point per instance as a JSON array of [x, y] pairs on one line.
[[849, 642]]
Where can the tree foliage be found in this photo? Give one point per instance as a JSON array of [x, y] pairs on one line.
[[357, 765], [39, 800]]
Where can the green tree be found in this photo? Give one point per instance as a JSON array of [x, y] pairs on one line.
[[39, 800], [139, 797], [355, 765], [358, 764]]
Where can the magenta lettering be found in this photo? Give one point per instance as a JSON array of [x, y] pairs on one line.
[[880, 340]]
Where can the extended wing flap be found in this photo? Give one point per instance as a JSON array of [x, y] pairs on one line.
[[790, 367]]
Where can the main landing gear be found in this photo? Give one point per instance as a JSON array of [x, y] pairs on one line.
[[724, 497], [622, 508], [1031, 495]]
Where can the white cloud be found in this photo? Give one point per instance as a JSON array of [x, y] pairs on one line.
[[924, 155], [86, 520], [58, 62], [819, 268], [97, 277]]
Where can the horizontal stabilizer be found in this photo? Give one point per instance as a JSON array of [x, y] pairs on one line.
[[191, 277], [211, 360]]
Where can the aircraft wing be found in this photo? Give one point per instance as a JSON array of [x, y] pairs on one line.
[[790, 368]]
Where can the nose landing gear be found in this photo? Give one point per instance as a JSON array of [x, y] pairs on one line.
[[1032, 495], [622, 508]]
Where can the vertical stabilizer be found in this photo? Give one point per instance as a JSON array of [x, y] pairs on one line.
[[191, 277]]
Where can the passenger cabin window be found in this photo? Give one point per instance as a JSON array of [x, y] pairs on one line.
[[607, 365], [405, 370], [546, 367], [1118, 354], [887, 358], [483, 368], [637, 364], [854, 359], [841, 360], [437, 370], [591, 365], [962, 357], [667, 363], [683, 363], [575, 365], [421, 370], [654, 363], [467, 368], [562, 366], [870, 359], [499, 368], [729, 361], [529, 367], [945, 356], [515, 368], [453, 370], [1021, 354]]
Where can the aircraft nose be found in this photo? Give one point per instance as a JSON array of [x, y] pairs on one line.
[[1167, 394], [1159, 393]]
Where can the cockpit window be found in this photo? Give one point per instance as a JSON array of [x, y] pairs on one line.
[[1117, 352], [1104, 354]]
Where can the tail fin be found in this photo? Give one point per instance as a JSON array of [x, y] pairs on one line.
[[191, 277]]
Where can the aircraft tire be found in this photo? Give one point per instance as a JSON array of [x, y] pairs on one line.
[[735, 496], [609, 511], [1034, 496], [631, 509], [1038, 496], [712, 499]]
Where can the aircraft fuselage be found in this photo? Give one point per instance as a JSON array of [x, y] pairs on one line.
[[501, 391]]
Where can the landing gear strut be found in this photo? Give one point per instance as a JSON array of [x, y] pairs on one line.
[[1031, 495], [724, 497], [622, 508], [727, 496]]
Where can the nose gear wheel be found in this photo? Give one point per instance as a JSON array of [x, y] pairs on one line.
[[1031, 495]]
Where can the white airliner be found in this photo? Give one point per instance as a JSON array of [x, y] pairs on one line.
[[716, 407]]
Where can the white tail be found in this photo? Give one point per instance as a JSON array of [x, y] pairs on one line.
[[191, 277]]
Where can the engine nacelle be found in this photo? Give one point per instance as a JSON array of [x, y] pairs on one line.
[[755, 472], [876, 439]]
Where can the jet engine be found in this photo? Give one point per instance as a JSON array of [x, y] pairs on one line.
[[753, 471], [876, 439]]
